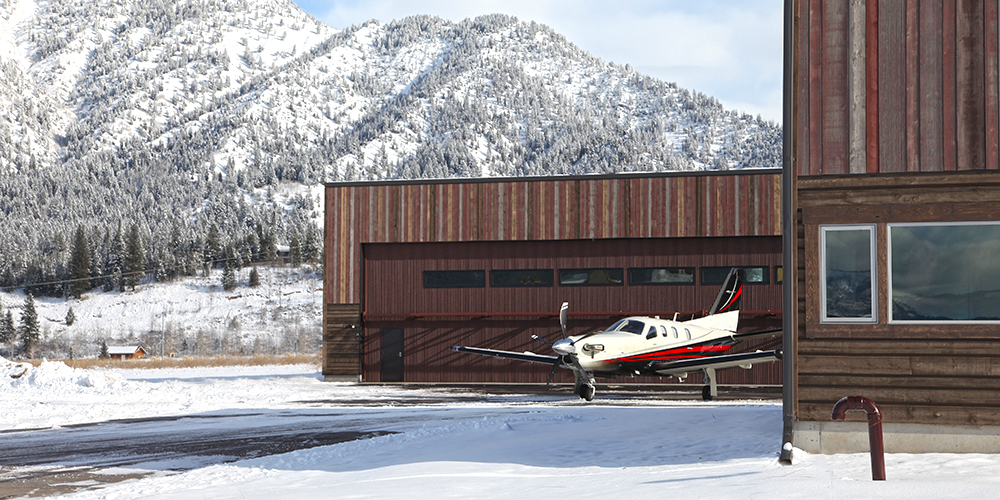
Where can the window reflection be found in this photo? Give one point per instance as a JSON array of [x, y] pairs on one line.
[[846, 267], [945, 272]]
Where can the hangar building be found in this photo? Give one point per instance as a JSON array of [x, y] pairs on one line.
[[893, 196], [413, 267]]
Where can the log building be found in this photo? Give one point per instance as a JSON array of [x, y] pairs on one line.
[[893, 222], [413, 267]]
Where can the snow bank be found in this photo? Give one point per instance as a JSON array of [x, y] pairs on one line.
[[54, 394], [54, 377]]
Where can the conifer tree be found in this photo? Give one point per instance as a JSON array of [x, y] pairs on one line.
[[104, 351], [254, 277], [7, 330], [79, 264], [115, 263], [70, 317], [133, 258], [229, 276], [30, 333], [295, 250]]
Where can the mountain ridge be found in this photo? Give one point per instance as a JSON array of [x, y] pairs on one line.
[[183, 115]]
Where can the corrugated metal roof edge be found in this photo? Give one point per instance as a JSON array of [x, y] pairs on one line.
[[594, 177]]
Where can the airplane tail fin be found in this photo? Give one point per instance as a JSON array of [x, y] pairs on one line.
[[725, 312], [730, 294]]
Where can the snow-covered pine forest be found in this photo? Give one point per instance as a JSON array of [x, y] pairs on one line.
[[199, 132]]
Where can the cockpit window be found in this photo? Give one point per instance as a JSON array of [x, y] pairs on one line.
[[651, 333], [628, 325]]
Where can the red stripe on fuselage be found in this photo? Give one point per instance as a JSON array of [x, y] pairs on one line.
[[683, 352]]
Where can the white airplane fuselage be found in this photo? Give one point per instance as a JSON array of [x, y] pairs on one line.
[[633, 343]]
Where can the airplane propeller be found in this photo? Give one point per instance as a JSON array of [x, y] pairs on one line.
[[563, 319]]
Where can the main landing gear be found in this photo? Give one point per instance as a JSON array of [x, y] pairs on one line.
[[711, 389]]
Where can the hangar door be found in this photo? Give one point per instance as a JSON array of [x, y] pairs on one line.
[[498, 294]]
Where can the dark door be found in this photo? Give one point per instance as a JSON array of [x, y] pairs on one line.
[[392, 354]]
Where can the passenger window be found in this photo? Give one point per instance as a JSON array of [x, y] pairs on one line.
[[663, 331], [688, 332], [674, 328], [651, 333]]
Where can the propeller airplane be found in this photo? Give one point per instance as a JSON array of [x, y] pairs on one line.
[[642, 345]]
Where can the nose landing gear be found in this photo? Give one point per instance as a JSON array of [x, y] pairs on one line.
[[585, 391]]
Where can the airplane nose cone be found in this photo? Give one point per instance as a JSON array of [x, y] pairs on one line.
[[563, 347]]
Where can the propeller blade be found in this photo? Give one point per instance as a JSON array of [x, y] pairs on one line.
[[564, 317], [552, 373], [536, 337]]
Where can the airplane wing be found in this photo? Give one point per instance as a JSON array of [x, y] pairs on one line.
[[717, 362], [756, 335], [519, 356]]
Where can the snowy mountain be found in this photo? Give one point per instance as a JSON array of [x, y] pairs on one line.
[[186, 116]]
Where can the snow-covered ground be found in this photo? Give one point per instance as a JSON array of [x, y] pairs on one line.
[[192, 315], [473, 445]]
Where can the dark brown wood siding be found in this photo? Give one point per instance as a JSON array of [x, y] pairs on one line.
[[342, 341], [505, 318], [655, 206], [930, 101], [916, 373], [573, 212]]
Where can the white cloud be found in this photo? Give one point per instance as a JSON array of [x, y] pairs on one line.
[[728, 49]]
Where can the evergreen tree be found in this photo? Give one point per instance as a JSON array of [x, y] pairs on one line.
[[70, 317], [7, 330], [115, 262], [104, 351], [79, 264], [30, 333], [133, 258], [295, 250], [310, 244], [254, 277], [229, 276], [270, 248], [213, 246]]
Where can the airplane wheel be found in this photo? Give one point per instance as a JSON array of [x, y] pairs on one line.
[[706, 393], [587, 392]]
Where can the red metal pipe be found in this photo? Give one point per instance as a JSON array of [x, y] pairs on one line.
[[862, 403]]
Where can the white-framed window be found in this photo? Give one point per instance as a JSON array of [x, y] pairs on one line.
[[847, 274], [944, 272]]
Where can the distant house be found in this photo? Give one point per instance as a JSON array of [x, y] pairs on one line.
[[126, 352]]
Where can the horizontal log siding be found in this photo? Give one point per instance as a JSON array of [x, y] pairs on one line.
[[930, 101], [941, 374], [524, 209]]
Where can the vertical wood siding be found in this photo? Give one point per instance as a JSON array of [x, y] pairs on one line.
[[746, 204], [930, 100]]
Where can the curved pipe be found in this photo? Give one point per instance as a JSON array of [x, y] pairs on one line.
[[861, 403]]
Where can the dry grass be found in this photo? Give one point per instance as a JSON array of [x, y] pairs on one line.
[[190, 362]]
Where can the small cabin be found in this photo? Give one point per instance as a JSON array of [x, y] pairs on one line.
[[126, 352]]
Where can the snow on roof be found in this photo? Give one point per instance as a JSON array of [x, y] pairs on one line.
[[123, 349]]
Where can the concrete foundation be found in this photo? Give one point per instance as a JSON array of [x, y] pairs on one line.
[[852, 437]]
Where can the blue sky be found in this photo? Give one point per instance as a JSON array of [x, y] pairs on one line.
[[730, 49]]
